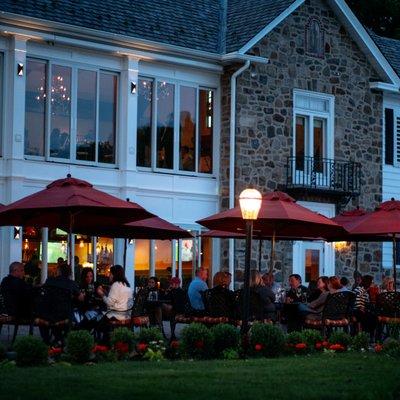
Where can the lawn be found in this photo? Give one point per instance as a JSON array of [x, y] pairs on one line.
[[339, 376]]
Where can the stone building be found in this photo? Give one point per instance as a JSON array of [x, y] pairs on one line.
[[181, 105]]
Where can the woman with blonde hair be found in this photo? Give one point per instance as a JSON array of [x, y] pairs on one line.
[[387, 284]]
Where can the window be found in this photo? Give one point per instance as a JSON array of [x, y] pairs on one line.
[[183, 131], [313, 131], [314, 38], [1, 101], [80, 117], [392, 136]]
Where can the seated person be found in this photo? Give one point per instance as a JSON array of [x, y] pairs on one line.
[[196, 287], [312, 291], [345, 284], [17, 294], [387, 284], [147, 300], [221, 300], [296, 295], [313, 309], [265, 294], [334, 285], [362, 306], [297, 292], [55, 303], [119, 301], [269, 281], [87, 310]]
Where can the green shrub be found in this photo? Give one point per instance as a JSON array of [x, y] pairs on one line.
[[2, 352], [394, 331], [147, 335], [360, 342], [230, 354], [79, 346], [311, 337], [226, 337], [123, 335], [197, 341], [31, 351], [391, 347], [267, 340], [339, 337], [294, 337], [173, 350]]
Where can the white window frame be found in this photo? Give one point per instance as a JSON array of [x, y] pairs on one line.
[[73, 117], [177, 85], [396, 136]]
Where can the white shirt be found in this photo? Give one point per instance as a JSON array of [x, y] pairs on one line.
[[120, 298]]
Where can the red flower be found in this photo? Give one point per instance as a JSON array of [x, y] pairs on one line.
[[174, 344], [337, 347], [142, 347], [318, 345], [53, 351], [325, 344], [121, 347], [199, 344], [378, 348], [258, 347], [300, 346], [99, 349]]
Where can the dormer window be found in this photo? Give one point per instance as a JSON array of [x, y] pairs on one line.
[[314, 38]]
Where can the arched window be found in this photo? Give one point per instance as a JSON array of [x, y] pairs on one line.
[[314, 38]]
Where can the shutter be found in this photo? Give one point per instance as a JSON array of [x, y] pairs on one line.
[[397, 136], [389, 125]]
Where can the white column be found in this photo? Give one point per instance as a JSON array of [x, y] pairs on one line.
[[94, 257], [152, 260], [44, 271], [173, 257], [130, 262], [118, 251], [180, 259]]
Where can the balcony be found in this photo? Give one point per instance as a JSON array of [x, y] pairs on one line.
[[323, 176]]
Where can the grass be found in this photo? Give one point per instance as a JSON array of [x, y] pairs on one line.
[[340, 376]]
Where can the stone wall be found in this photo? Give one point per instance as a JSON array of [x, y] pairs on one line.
[[264, 132]]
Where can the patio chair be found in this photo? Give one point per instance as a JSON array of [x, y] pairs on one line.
[[388, 310], [337, 313]]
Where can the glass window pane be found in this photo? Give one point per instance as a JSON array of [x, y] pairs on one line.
[[1, 100], [318, 144], [312, 264], [206, 125], [187, 129], [163, 261], [142, 261], [35, 108], [83, 255], [86, 116], [105, 258], [57, 248], [60, 123], [165, 125], [144, 122], [300, 142], [187, 261], [32, 253], [107, 117]]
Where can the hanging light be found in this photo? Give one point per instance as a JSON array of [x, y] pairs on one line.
[[81, 244]]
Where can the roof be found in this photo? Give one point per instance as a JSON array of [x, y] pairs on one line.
[[244, 22], [215, 26], [390, 48], [188, 23]]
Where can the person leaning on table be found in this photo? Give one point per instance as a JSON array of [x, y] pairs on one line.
[[196, 287]]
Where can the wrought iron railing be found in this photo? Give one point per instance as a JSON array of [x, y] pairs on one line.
[[323, 174]]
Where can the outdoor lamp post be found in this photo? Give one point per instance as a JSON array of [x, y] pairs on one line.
[[250, 204]]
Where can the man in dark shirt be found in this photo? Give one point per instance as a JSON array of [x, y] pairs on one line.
[[295, 295], [16, 293]]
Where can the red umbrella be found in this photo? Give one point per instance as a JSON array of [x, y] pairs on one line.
[[279, 216], [71, 203], [384, 220], [149, 228]]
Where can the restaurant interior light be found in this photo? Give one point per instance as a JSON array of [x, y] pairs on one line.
[[250, 203]]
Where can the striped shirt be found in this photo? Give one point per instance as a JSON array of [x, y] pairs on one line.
[[362, 298]]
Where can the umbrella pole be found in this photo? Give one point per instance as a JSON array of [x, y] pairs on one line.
[[259, 255], [71, 259], [394, 261], [356, 260], [272, 256]]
